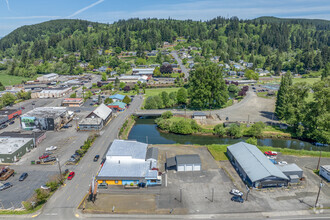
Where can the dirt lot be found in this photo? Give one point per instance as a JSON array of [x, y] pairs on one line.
[[196, 190]]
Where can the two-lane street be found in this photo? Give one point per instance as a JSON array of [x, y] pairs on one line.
[[63, 203]]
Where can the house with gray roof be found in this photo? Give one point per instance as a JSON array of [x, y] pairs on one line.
[[254, 167]]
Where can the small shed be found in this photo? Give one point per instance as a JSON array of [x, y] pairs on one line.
[[199, 115], [290, 169], [325, 172], [191, 162]]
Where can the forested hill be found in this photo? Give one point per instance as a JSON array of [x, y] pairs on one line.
[[317, 23], [298, 45]]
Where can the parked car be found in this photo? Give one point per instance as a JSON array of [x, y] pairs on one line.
[[49, 159], [236, 192], [271, 153], [51, 148], [237, 199], [44, 156], [5, 186], [23, 176], [77, 110], [282, 163], [11, 122], [65, 126], [96, 158], [71, 175], [22, 108], [103, 186]]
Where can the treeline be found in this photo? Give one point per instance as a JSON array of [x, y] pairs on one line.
[[308, 119], [167, 100], [289, 45]]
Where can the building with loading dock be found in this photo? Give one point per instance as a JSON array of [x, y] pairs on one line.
[[130, 162]]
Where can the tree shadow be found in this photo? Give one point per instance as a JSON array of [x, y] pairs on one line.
[[269, 115]]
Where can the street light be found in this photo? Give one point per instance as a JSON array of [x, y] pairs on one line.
[[318, 194]]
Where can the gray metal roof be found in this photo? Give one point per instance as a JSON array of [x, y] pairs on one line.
[[254, 163], [292, 167], [170, 162], [152, 153], [102, 111], [326, 167], [124, 168], [188, 159], [136, 150]]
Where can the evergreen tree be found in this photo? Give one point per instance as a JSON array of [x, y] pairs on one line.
[[281, 101]]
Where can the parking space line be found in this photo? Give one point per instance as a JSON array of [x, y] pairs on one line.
[[69, 197]]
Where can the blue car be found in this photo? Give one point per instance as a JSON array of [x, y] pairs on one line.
[[237, 199]]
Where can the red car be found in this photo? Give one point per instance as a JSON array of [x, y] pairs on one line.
[[43, 156], [71, 175], [271, 153]]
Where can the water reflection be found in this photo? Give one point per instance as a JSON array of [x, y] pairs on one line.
[[146, 131]]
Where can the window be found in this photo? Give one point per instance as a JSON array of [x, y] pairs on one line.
[[153, 181], [116, 181]]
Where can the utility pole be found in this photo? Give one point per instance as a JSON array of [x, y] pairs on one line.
[[318, 163], [180, 195], [212, 194], [318, 194], [59, 167], [247, 193]]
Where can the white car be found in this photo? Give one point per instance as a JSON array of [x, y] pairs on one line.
[[51, 148], [282, 163], [236, 192]]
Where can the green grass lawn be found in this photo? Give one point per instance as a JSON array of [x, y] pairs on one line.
[[218, 151], [307, 80], [8, 80]]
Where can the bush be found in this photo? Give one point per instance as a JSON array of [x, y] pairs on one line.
[[252, 140], [219, 130], [235, 131], [150, 103], [194, 126], [27, 205], [181, 127], [53, 185], [167, 114], [256, 129]]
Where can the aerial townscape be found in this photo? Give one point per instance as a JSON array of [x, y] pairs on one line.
[[154, 118]]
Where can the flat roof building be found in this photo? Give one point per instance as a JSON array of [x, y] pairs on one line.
[[73, 102], [45, 118], [50, 93], [143, 71], [90, 124], [128, 162], [254, 167], [37, 137], [48, 77], [12, 149]]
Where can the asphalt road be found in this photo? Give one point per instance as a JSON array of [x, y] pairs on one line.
[[183, 68], [64, 202]]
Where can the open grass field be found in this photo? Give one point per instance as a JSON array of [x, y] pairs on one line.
[[8, 80], [307, 80]]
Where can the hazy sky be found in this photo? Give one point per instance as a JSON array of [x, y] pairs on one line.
[[16, 13]]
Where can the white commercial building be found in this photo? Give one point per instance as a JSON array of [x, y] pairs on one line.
[[48, 77], [325, 172]]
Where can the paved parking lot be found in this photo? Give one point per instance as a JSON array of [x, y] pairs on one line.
[[23, 190], [196, 188]]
